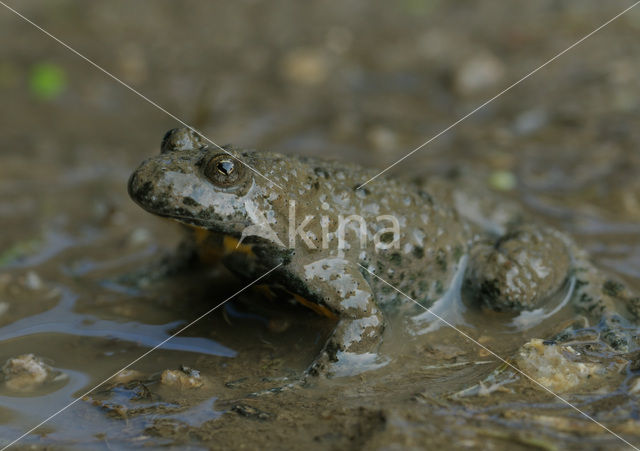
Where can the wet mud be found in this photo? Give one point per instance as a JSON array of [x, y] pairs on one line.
[[364, 82]]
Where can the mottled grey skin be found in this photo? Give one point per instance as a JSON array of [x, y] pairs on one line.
[[509, 267]]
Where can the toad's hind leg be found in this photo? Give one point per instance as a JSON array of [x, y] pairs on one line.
[[520, 270], [352, 346]]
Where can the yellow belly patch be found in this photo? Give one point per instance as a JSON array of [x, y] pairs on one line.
[[211, 249], [213, 253], [268, 292], [319, 309], [231, 245], [208, 252]]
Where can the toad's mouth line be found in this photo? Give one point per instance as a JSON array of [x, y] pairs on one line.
[[200, 223], [194, 222]]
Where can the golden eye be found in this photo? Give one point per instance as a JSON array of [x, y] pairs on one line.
[[223, 171]]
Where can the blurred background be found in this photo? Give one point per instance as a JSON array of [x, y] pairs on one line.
[[362, 81]]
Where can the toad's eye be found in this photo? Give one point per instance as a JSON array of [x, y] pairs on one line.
[[225, 167], [223, 170]]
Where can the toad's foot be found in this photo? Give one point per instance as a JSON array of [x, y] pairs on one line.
[[612, 307], [520, 270]]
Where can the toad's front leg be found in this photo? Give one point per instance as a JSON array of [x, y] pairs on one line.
[[351, 348]]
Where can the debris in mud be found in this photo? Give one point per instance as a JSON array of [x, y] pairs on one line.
[[25, 373], [555, 365], [579, 425], [126, 376], [20, 250], [20, 291], [494, 382], [439, 352], [33, 281], [235, 383], [250, 412], [4, 306], [127, 400], [183, 378]]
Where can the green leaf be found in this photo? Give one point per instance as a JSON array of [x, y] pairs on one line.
[[47, 81], [503, 180]]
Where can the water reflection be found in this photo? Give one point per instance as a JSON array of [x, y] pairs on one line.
[[62, 319]]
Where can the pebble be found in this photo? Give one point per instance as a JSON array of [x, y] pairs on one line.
[[305, 67], [139, 236], [549, 365], [183, 378], [382, 138], [25, 373], [33, 281], [478, 73], [126, 376], [530, 121]]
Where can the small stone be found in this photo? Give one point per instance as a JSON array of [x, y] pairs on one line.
[[139, 236], [305, 67], [530, 121], [550, 366], [183, 378], [382, 138], [250, 412], [126, 376], [25, 373], [478, 73], [33, 281]]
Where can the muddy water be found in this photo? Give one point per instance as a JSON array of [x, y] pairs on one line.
[[362, 81]]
